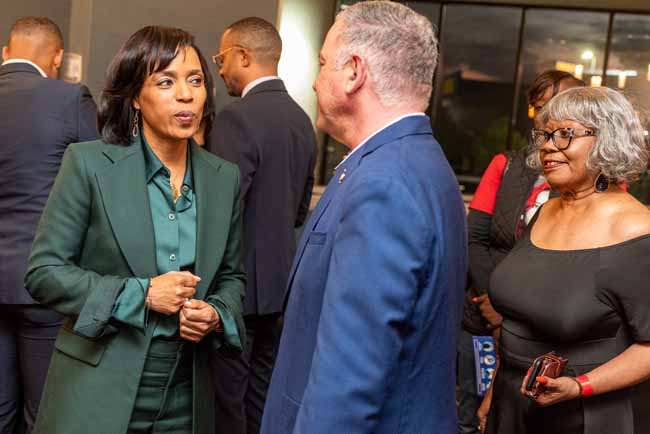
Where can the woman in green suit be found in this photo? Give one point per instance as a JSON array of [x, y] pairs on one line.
[[139, 246]]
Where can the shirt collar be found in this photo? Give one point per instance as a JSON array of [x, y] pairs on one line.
[[367, 139], [254, 83], [38, 68], [153, 165]]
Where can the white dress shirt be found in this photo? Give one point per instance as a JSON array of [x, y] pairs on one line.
[[254, 83], [38, 68]]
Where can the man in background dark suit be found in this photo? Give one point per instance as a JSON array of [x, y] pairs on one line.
[[39, 117], [272, 140]]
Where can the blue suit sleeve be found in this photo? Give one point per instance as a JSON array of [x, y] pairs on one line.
[[379, 260]]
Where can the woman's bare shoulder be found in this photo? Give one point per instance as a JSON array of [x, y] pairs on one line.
[[629, 218]]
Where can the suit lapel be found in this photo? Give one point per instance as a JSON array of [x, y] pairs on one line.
[[213, 223], [411, 125], [330, 191], [124, 194]]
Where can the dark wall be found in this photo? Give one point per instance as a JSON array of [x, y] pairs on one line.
[[56, 10], [97, 28], [112, 22]]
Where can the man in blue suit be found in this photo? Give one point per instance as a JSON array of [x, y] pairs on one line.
[[375, 293], [39, 117]]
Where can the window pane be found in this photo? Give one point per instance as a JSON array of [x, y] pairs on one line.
[[428, 9], [628, 70], [334, 153], [474, 91], [573, 41]]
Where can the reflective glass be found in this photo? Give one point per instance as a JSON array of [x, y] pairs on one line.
[[571, 41], [628, 70], [474, 86]]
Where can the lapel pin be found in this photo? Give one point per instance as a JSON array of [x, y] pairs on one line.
[[342, 177]]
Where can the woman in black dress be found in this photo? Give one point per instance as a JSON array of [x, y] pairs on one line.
[[577, 283]]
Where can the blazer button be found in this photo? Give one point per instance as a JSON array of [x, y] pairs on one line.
[[172, 257]]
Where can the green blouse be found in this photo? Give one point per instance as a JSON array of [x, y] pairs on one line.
[[175, 235]]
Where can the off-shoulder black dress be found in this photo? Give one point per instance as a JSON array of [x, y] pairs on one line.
[[588, 306]]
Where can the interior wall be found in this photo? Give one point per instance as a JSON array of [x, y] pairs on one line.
[[101, 27], [303, 25], [56, 10]]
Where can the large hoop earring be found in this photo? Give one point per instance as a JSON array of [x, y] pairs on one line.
[[602, 183], [136, 123]]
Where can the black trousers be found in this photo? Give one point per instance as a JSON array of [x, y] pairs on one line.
[[241, 384], [27, 335]]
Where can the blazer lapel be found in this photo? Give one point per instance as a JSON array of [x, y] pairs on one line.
[[341, 172], [124, 194], [213, 223], [408, 126]]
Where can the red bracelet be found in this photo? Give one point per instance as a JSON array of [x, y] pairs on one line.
[[585, 386]]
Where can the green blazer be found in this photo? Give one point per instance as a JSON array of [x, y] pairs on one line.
[[95, 232]]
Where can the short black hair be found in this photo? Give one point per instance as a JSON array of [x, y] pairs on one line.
[[260, 36], [551, 78], [31, 25], [149, 50]]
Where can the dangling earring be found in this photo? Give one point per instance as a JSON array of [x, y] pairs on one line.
[[602, 183], [136, 122]]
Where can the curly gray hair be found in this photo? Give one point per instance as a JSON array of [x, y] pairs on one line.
[[620, 151], [399, 46]]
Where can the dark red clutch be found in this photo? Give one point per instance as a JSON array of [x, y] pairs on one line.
[[548, 365]]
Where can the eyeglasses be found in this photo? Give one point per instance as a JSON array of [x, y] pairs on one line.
[[217, 59], [561, 137]]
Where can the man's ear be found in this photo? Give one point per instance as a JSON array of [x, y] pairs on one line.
[[58, 58], [356, 74], [5, 53], [245, 58]]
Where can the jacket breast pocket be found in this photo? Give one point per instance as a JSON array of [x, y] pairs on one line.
[[78, 347]]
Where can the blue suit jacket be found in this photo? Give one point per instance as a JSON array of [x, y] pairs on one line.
[[39, 118], [375, 294]]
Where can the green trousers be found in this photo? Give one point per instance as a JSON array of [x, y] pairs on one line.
[[164, 400]]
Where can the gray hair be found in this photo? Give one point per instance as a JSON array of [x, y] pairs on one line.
[[399, 46], [620, 151]]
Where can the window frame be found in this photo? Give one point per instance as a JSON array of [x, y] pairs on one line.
[[432, 110]]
